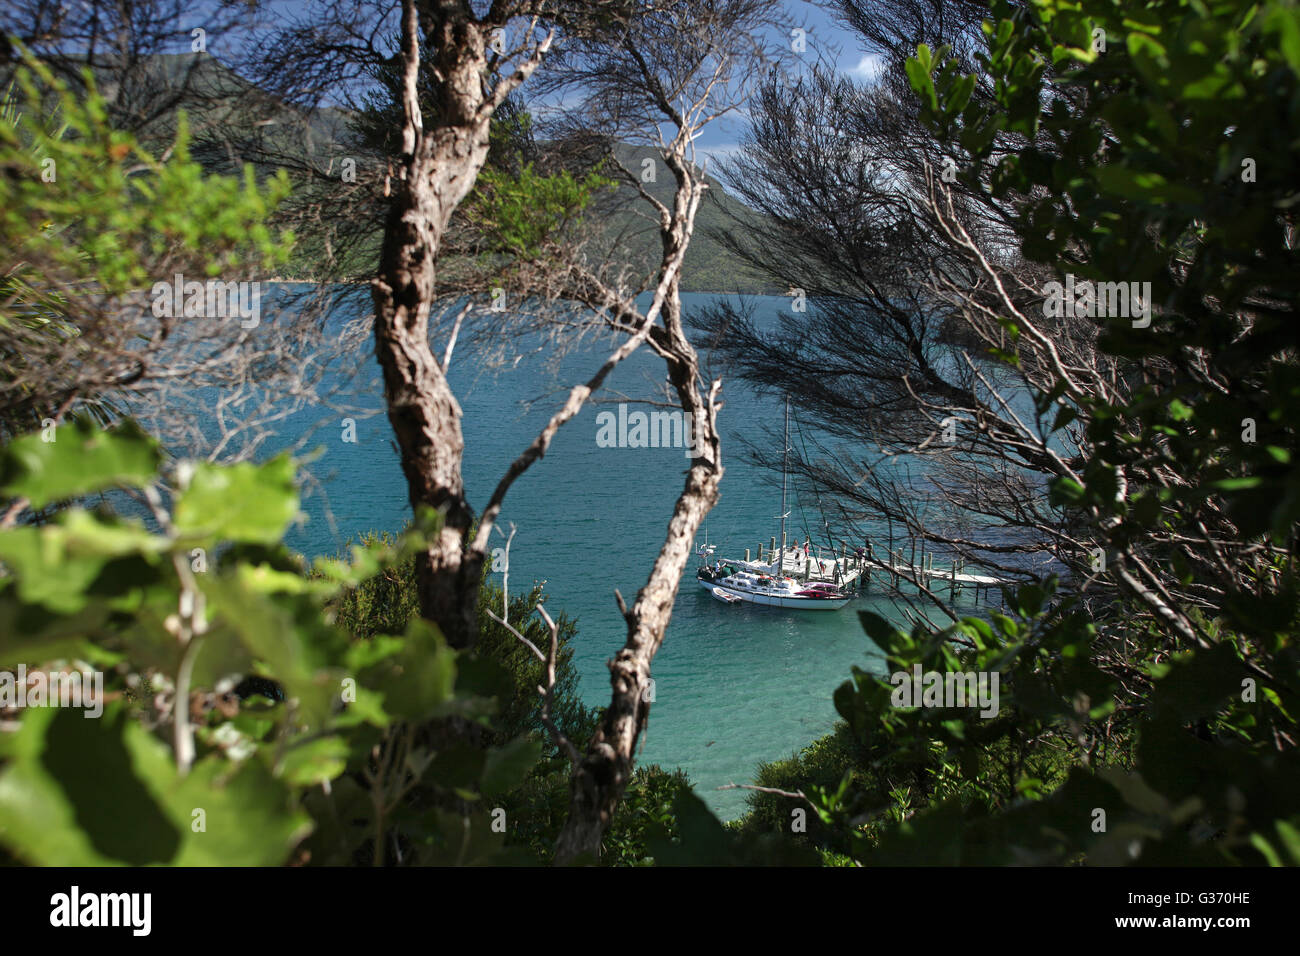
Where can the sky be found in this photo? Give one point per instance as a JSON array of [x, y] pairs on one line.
[[828, 38]]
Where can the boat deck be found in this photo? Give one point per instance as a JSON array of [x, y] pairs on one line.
[[818, 568]]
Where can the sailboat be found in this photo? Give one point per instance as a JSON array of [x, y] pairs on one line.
[[757, 583]]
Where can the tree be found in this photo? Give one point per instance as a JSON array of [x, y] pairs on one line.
[[1177, 709], [655, 67], [88, 327], [187, 620], [662, 77], [921, 432], [144, 59], [94, 316]]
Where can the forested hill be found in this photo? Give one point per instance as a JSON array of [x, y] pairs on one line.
[[218, 103], [709, 267]]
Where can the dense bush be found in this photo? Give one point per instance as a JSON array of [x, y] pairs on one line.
[[174, 617]]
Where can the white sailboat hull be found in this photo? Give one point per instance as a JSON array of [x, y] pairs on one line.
[[778, 600]]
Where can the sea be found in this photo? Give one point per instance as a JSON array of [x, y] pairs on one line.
[[735, 685]]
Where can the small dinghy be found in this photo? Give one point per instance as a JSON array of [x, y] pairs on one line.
[[725, 597]]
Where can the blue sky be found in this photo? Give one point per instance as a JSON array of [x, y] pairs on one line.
[[827, 38]]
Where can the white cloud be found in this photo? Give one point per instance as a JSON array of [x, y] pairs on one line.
[[868, 68]]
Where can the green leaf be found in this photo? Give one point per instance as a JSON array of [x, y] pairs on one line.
[[959, 95], [1270, 855], [243, 502], [1066, 415], [285, 634], [1285, 23], [1198, 684], [507, 766], [878, 629], [1143, 185], [81, 460], [1290, 838], [315, 762], [81, 792], [420, 681], [30, 632], [56, 565], [1237, 484], [1030, 600], [918, 72], [1066, 491], [979, 631]]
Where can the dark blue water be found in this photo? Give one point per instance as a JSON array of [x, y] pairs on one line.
[[735, 685]]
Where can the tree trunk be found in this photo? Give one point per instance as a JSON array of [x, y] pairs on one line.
[[439, 170], [600, 779], [598, 782]]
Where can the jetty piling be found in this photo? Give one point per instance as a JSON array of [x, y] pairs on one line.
[[925, 571]]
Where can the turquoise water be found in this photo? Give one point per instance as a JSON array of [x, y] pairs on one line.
[[735, 685]]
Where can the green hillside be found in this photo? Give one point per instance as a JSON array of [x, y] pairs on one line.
[[231, 122], [709, 267]]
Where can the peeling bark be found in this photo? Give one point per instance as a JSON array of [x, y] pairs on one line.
[[439, 168]]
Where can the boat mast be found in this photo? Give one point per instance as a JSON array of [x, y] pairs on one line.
[[785, 461]]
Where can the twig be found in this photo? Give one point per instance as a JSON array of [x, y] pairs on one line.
[[546, 692]]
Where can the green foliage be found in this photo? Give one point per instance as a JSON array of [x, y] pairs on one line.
[[823, 765], [90, 219], [358, 735], [535, 811], [106, 792], [520, 714], [523, 212], [645, 816], [1068, 770], [243, 502], [348, 762], [1126, 190], [383, 603], [112, 209], [388, 602], [1178, 735], [1132, 739], [888, 761], [85, 460], [699, 839]]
